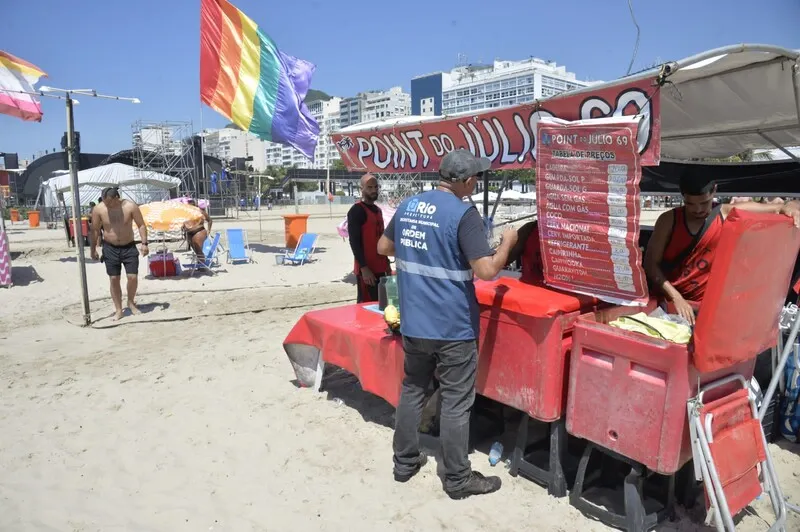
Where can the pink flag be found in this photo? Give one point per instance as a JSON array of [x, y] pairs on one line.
[[16, 78]]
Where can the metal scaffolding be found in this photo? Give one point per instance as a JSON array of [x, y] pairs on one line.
[[397, 187], [167, 148]]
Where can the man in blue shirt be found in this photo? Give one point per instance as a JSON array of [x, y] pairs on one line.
[[438, 241]]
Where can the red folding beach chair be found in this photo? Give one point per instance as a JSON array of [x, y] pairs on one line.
[[731, 456]]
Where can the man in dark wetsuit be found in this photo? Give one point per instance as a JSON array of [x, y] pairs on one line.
[[681, 251], [116, 217], [365, 227]]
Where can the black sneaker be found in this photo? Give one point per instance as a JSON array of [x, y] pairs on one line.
[[476, 485], [423, 459]]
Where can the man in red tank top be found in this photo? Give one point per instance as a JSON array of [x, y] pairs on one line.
[[365, 228], [529, 252], [681, 251]]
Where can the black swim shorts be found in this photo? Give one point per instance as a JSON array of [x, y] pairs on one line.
[[115, 256]]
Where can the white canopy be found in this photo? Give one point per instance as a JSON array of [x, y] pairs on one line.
[[479, 196], [729, 100], [141, 186], [511, 195]]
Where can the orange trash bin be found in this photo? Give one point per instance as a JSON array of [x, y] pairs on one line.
[[295, 225], [14, 215], [33, 218]]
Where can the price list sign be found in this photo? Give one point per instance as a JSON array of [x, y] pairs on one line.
[[587, 193]]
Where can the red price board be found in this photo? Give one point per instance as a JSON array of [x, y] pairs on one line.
[[587, 194]]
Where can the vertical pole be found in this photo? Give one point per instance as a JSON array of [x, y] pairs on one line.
[[202, 168], [294, 189], [2, 218], [486, 197], [328, 190], [202, 160], [260, 238], [76, 213]]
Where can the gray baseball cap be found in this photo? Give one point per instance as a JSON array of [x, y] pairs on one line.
[[459, 165]]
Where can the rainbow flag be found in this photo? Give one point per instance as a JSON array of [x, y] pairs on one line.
[[17, 77], [244, 77]]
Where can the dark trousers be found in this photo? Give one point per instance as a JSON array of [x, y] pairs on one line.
[[457, 363], [368, 294]]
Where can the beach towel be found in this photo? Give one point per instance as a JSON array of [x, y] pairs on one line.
[[655, 327]]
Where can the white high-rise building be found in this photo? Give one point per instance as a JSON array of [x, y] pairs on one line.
[[480, 87], [375, 105], [230, 143], [327, 115]]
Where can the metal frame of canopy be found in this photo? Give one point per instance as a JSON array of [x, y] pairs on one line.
[[767, 130]]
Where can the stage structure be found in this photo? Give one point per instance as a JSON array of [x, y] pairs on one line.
[[167, 148], [397, 187], [230, 189]]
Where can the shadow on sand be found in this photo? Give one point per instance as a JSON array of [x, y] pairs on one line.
[[24, 275]]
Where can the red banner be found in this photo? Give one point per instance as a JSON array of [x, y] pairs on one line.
[[506, 136], [587, 196]]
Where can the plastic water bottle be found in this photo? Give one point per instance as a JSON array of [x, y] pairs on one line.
[[495, 453]]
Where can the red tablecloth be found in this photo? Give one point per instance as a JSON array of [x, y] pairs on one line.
[[524, 344], [353, 339]]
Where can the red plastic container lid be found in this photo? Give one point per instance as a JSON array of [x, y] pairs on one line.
[[746, 289], [528, 299]]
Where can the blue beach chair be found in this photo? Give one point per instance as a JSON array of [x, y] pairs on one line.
[[238, 247], [304, 251], [210, 253]]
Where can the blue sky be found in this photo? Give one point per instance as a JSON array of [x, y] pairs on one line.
[[150, 48]]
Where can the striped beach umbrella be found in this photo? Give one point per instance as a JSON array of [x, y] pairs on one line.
[[169, 215]]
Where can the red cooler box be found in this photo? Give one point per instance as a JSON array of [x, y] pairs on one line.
[[163, 265], [524, 344], [628, 391]]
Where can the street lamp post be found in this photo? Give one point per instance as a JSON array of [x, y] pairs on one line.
[[73, 173]]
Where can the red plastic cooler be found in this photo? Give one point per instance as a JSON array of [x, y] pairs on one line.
[[524, 344], [523, 357], [628, 391]]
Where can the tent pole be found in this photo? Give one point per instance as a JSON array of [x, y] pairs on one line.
[[328, 190], [499, 195], [796, 83], [731, 133], [202, 175], [260, 237], [486, 197], [784, 150], [76, 213]]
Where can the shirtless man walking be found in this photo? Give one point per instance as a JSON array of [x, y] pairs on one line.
[[115, 217]]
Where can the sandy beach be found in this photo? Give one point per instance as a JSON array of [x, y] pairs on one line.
[[186, 417]]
